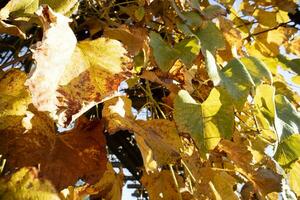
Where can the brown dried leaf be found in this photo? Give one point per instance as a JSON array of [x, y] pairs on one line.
[[133, 38], [79, 153], [161, 185], [158, 140], [264, 181], [109, 187], [11, 30]]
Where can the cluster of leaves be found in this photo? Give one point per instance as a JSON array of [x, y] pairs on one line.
[[224, 123]]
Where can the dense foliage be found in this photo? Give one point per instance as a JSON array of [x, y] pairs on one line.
[[207, 88]]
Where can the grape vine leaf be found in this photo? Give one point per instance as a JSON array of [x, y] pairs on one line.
[[289, 118], [205, 122], [164, 55], [17, 8], [25, 184], [69, 81], [158, 139], [108, 187], [257, 70], [288, 150], [293, 176], [65, 155], [211, 37], [50, 60]]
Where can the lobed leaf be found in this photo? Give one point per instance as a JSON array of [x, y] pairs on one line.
[[205, 122]]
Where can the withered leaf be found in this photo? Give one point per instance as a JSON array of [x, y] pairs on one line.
[[71, 79], [263, 180], [158, 140], [161, 185], [52, 55], [133, 38], [108, 187], [79, 153]]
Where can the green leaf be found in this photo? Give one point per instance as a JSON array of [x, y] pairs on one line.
[[288, 150], [189, 49], [24, 184], [192, 19], [62, 6], [257, 69], [205, 122], [288, 117], [211, 37], [213, 11], [293, 64], [237, 82], [164, 55], [294, 179], [19, 8], [212, 68]]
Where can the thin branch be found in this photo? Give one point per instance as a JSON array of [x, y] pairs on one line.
[[265, 31]]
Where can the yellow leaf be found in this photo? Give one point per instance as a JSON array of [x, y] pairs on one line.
[[268, 42], [293, 176], [161, 185], [296, 79], [50, 60], [223, 184], [294, 46], [266, 18], [282, 16], [14, 98], [158, 139]]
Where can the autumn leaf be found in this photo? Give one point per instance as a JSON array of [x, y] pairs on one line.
[[50, 59], [108, 187], [161, 185], [158, 140], [25, 184], [204, 121], [55, 154], [133, 39], [81, 76]]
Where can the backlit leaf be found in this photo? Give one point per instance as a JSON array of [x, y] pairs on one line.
[[164, 55], [211, 38], [237, 82], [205, 122], [289, 117], [294, 46], [213, 11], [11, 30], [189, 49], [25, 184], [158, 139], [288, 150], [294, 175], [257, 69], [266, 18], [56, 154], [50, 60], [160, 185]]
